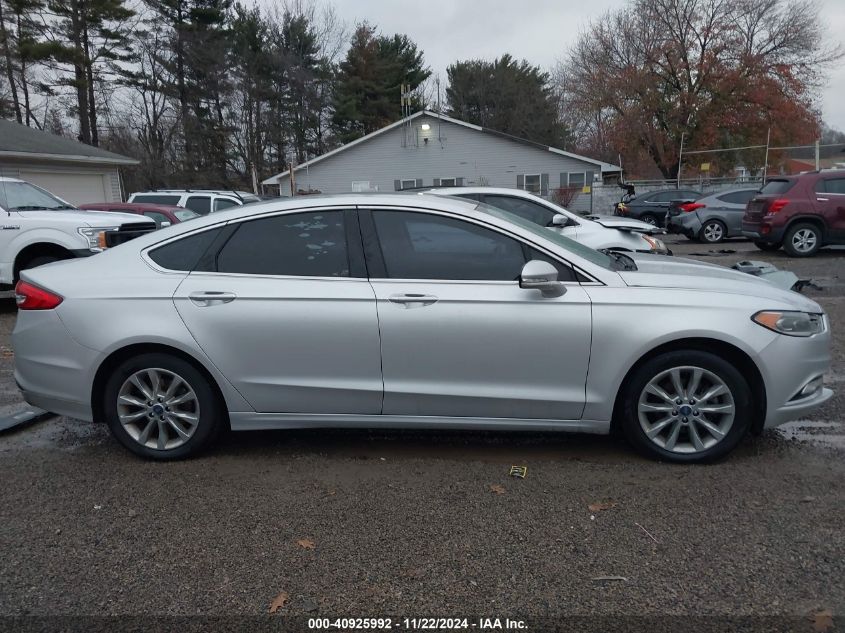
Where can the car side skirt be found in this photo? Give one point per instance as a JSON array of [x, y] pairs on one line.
[[250, 421]]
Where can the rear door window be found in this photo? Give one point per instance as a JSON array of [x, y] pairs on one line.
[[224, 203], [309, 244], [834, 185], [200, 204]]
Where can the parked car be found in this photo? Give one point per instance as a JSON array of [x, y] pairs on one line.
[[600, 233], [712, 218], [801, 213], [40, 228], [652, 206], [411, 312], [201, 201], [163, 216]]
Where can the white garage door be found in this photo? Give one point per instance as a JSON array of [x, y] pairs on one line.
[[76, 188]]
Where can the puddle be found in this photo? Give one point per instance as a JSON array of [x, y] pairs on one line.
[[817, 433], [56, 432]]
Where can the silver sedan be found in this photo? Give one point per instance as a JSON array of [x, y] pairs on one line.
[[410, 311]]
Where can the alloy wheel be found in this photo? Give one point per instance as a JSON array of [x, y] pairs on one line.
[[804, 240], [713, 232], [158, 408], [686, 410]]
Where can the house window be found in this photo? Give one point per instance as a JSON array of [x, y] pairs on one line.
[[448, 182], [577, 179], [409, 184], [532, 183], [360, 185]]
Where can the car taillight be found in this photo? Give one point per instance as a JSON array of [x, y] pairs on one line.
[[691, 206], [29, 297], [777, 205]]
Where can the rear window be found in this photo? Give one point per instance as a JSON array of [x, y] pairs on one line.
[[738, 197], [777, 186], [156, 198], [185, 253]]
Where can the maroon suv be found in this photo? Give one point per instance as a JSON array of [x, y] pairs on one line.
[[163, 215], [801, 213]]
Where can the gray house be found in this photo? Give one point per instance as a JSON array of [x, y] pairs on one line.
[[429, 149], [74, 171]]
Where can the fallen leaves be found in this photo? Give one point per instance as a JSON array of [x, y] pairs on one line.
[[306, 543], [497, 489], [601, 505], [279, 601], [822, 621]]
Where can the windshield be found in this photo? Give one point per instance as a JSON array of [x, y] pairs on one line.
[[585, 252], [23, 196], [185, 214]]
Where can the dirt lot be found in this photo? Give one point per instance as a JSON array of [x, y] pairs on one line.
[[408, 525]]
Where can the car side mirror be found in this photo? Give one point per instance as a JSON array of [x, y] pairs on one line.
[[542, 276], [560, 220], [165, 224]]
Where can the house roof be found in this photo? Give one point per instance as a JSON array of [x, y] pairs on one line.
[[604, 167], [20, 141]]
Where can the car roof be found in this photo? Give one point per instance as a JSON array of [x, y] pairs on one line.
[[145, 206]]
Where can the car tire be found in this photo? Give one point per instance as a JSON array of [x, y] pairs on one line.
[[650, 218], [713, 232], [155, 433], [802, 240], [730, 419], [767, 246]]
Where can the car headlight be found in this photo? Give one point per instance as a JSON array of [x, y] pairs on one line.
[[96, 236], [790, 323], [656, 244]]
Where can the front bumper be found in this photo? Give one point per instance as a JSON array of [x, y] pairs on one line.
[[790, 363]]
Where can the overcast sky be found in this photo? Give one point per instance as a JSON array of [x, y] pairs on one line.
[[537, 30]]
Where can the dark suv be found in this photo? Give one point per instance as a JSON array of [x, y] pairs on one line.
[[801, 213]]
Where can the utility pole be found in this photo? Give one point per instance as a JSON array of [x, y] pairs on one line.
[[766, 161], [817, 154], [680, 159]]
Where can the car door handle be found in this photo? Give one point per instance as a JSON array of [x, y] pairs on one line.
[[823, 199], [211, 298], [411, 300]]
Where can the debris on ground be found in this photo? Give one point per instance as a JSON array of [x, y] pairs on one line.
[[518, 471], [610, 578], [822, 621], [497, 489], [647, 532], [306, 543], [598, 506], [279, 601]]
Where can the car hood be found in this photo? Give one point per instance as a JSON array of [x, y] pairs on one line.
[[89, 218], [624, 224], [656, 271]]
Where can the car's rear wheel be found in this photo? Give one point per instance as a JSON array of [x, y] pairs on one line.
[[767, 246], [686, 406], [649, 218], [802, 240], [713, 232], [161, 407]]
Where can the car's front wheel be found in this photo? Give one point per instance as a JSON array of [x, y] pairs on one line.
[[802, 240], [161, 407], [649, 218], [686, 406]]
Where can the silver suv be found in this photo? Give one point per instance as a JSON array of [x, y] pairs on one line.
[[202, 201]]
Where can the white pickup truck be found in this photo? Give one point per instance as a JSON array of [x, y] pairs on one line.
[[37, 228]]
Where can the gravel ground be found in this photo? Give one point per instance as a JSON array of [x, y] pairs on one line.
[[359, 523]]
